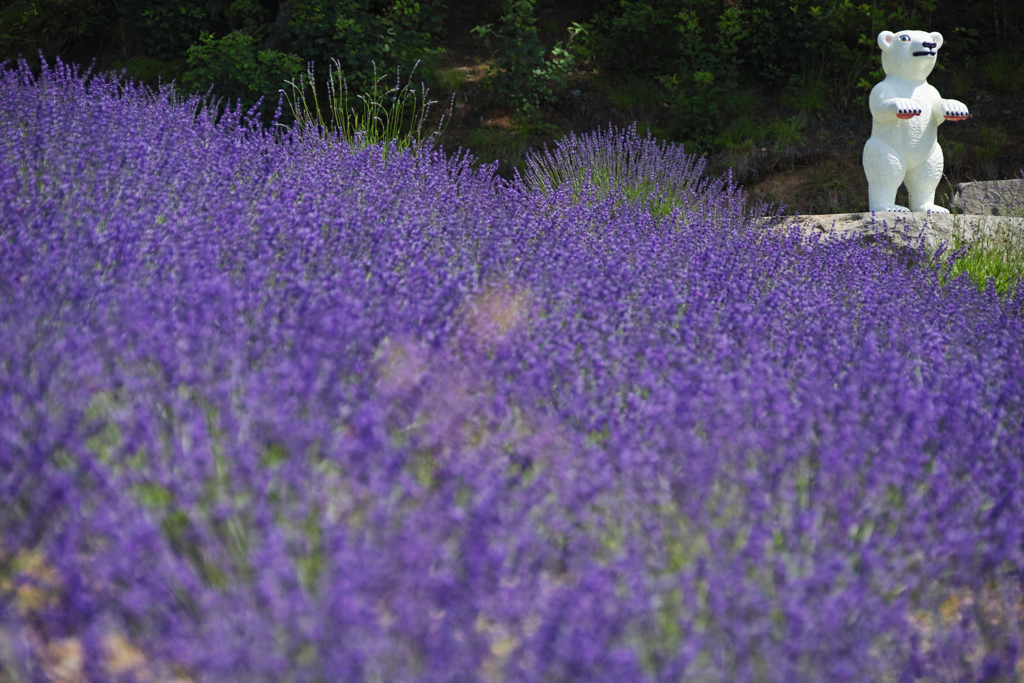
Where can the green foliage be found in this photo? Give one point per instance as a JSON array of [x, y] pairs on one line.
[[963, 41], [244, 48], [697, 51], [262, 50], [150, 70], [785, 39], [695, 103], [702, 51], [55, 27], [859, 23], [525, 77], [634, 38], [359, 32], [768, 39], [705, 74], [805, 95], [238, 69], [169, 28]]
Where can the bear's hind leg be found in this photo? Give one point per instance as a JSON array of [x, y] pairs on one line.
[[884, 169], [922, 181]]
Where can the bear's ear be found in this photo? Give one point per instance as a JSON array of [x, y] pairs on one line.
[[937, 39], [885, 39]]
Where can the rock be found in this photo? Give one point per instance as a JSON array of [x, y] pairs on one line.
[[994, 198], [905, 229]]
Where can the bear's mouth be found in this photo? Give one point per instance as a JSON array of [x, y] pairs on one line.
[[925, 53]]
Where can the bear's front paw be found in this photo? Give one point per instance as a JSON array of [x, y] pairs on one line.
[[953, 110], [906, 108]]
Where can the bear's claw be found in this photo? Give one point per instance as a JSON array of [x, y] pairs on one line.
[[931, 208], [953, 110]]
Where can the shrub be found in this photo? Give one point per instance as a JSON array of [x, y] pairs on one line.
[[622, 164], [237, 69], [169, 29], [524, 76]]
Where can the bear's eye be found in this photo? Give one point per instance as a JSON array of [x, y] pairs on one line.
[[905, 39]]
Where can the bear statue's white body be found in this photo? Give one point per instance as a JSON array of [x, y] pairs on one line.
[[906, 113]]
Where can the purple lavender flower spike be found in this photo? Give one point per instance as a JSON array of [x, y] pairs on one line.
[[269, 411]]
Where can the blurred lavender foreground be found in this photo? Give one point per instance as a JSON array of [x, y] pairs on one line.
[[276, 411]]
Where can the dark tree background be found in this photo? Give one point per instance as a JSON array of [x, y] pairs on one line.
[[762, 85]]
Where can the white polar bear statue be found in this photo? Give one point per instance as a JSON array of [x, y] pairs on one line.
[[906, 114]]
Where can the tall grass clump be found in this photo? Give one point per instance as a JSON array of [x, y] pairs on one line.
[[1004, 70], [273, 411], [391, 118], [995, 260]]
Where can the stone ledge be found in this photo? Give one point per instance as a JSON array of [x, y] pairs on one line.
[[990, 197], [903, 229]]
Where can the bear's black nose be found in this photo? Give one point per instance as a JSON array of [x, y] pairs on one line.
[[929, 45]]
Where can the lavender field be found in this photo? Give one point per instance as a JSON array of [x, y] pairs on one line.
[[276, 410]]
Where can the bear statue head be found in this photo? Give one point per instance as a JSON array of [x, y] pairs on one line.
[[909, 54]]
